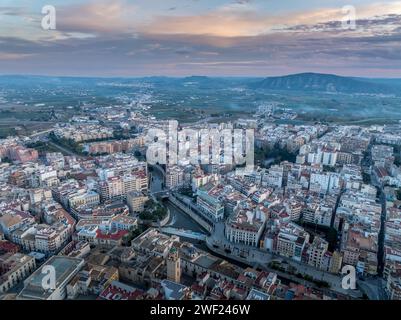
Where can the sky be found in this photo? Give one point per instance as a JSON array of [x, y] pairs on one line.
[[133, 38]]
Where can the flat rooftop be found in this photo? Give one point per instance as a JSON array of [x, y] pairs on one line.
[[65, 267]]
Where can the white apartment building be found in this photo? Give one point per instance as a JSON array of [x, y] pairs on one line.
[[136, 201], [324, 182], [245, 227], [291, 241], [316, 252], [274, 178], [84, 198], [174, 177]]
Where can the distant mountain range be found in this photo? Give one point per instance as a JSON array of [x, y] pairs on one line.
[[317, 82], [303, 82]]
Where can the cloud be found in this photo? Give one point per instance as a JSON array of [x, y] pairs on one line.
[[11, 11], [221, 24], [376, 24], [241, 19], [14, 56], [115, 16], [185, 54], [113, 38]]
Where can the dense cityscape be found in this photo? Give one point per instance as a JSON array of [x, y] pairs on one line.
[[116, 227], [218, 158]]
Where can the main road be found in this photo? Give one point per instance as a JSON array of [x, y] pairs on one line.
[[256, 256]]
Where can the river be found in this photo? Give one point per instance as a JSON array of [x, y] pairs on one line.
[[178, 219]]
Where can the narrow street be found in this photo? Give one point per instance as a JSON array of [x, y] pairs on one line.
[[382, 198], [380, 251]]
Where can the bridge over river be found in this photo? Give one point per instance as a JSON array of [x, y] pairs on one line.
[[184, 233]]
